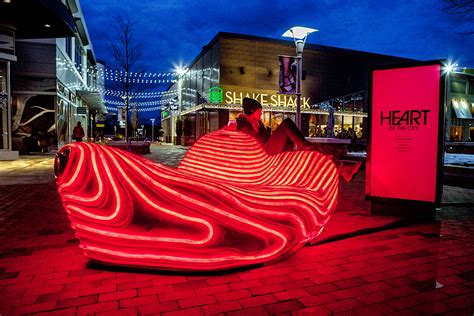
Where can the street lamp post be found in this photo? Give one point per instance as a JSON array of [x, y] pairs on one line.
[[152, 130], [126, 99], [299, 35], [178, 106]]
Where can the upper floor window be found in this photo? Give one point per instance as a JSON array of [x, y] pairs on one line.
[[78, 56], [457, 87], [69, 47]]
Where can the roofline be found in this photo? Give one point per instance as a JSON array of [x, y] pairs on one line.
[[289, 43]]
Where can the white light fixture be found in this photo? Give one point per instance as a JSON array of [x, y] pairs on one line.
[[299, 32], [180, 69], [47, 25], [450, 67]]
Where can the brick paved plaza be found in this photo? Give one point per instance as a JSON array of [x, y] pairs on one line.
[[420, 269]]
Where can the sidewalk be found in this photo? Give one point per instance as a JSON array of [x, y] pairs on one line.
[[418, 269]]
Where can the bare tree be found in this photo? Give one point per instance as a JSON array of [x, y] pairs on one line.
[[127, 57], [464, 9]]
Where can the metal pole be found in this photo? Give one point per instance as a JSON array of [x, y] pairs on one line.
[[126, 99], [126, 118], [9, 109], [299, 55], [152, 130]]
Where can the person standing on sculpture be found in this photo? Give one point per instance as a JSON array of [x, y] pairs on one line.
[[286, 137]]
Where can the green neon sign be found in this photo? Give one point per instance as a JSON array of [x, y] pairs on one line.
[[215, 95]]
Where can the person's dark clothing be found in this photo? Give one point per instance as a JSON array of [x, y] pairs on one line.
[[284, 138], [244, 125], [78, 133], [288, 137]]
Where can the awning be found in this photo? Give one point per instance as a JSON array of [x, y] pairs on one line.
[[266, 108], [38, 18], [462, 109], [94, 100]]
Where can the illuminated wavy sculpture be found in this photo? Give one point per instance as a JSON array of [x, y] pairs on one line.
[[228, 204]]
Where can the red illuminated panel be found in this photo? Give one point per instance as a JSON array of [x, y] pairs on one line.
[[405, 113], [229, 204]]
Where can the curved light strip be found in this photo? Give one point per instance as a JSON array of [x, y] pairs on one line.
[[228, 204]]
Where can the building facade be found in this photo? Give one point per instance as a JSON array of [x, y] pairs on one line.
[[51, 83], [241, 66], [460, 106]]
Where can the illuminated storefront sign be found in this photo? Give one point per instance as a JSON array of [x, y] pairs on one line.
[[280, 100], [405, 135], [215, 95]]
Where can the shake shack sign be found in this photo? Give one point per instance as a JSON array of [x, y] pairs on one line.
[[410, 120]]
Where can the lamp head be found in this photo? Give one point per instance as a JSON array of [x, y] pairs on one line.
[[180, 69], [299, 32]]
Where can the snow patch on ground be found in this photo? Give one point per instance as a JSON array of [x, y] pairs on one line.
[[449, 159]]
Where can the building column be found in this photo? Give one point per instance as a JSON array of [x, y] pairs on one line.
[[6, 152]]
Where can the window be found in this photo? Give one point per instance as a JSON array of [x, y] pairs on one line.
[[69, 47], [471, 86], [359, 102], [78, 56], [457, 87]]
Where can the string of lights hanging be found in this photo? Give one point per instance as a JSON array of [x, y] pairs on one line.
[[105, 74]]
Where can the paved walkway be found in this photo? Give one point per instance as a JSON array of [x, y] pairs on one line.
[[417, 269]]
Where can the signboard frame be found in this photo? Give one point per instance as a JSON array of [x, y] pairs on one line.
[[408, 208]]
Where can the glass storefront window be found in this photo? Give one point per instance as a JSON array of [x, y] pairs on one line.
[[455, 133], [276, 119], [348, 104], [359, 103], [358, 126], [233, 115], [4, 128], [347, 128], [338, 125], [266, 118], [312, 125], [337, 104]]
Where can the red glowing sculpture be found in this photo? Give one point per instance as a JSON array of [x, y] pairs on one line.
[[228, 204]]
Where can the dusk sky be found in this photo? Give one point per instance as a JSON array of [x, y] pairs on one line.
[[174, 31]]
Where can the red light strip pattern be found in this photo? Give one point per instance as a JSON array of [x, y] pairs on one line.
[[228, 204]]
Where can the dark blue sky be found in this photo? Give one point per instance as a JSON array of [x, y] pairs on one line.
[[173, 31]]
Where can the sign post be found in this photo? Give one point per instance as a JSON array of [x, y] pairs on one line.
[[405, 145]]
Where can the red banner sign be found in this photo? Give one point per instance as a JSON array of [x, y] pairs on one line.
[[288, 73], [403, 154]]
